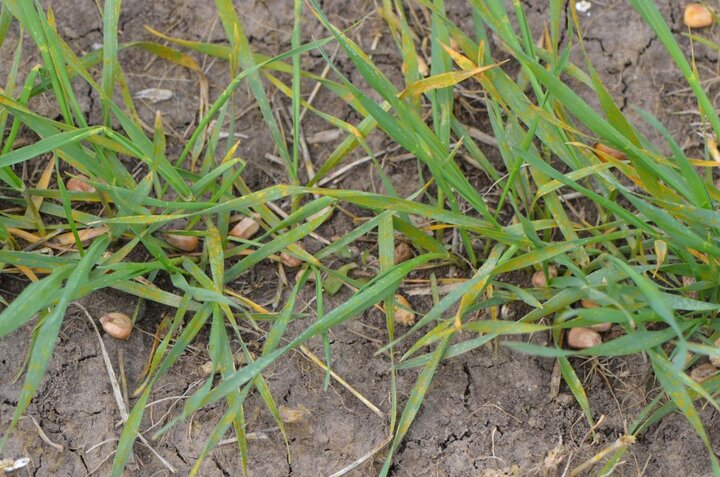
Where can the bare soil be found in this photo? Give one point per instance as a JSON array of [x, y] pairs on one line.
[[487, 413]]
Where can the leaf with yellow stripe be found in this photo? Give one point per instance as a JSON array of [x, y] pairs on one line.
[[443, 80]]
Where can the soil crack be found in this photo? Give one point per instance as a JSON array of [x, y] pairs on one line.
[[221, 468], [469, 382]]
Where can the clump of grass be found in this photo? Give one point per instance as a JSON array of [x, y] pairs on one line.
[[631, 263]]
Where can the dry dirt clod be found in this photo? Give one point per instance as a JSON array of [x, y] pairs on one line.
[[582, 338], [538, 278], [79, 184], [609, 151], [290, 261], [403, 316], [689, 281], [702, 371], [245, 229], [118, 325], [206, 369], [186, 243], [403, 252], [697, 16], [715, 360], [290, 415], [11, 466]]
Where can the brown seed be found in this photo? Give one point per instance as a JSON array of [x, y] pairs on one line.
[[79, 184], [84, 234], [607, 150], [245, 229], [422, 66], [715, 360], [322, 137], [403, 316], [310, 277], [327, 210], [186, 243], [697, 16], [702, 371], [403, 252], [290, 261], [582, 338], [538, 278], [601, 327], [118, 325]]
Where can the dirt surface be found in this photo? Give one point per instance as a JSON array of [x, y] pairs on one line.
[[487, 413]]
